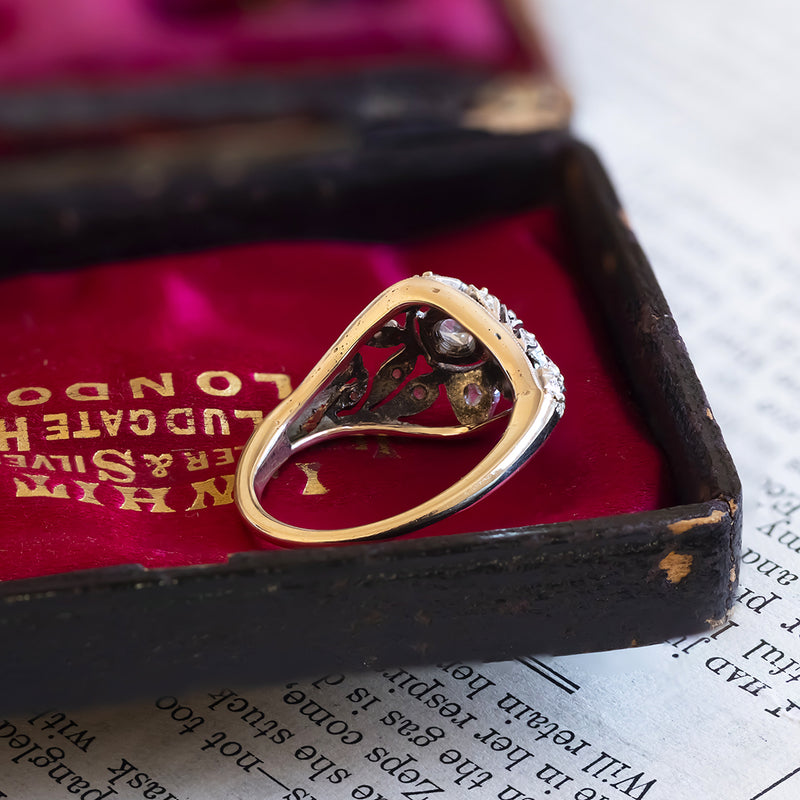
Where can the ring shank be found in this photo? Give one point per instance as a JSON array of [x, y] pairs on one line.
[[487, 475]]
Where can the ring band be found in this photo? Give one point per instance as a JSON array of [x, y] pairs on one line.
[[477, 350]]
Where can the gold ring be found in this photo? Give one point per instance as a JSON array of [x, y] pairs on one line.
[[445, 334]]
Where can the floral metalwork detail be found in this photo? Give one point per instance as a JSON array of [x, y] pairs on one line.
[[456, 360]]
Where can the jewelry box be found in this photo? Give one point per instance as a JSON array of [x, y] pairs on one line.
[[196, 199]]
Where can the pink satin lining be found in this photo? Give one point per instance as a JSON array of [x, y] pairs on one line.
[[118, 470], [97, 41]]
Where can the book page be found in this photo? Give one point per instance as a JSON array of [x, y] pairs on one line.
[[694, 110]]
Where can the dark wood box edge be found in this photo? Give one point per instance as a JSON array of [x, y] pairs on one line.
[[644, 577]]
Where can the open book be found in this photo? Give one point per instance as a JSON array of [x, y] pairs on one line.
[[695, 110]]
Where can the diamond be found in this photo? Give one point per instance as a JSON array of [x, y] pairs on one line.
[[472, 394], [452, 338]]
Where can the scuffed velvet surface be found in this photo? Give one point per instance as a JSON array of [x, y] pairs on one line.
[[100, 41], [275, 308]]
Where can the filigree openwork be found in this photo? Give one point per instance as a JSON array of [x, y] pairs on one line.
[[433, 351]]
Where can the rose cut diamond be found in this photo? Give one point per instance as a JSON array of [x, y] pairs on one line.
[[452, 338], [472, 394]]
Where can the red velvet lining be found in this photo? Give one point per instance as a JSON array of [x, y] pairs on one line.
[[51, 41], [275, 308]]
